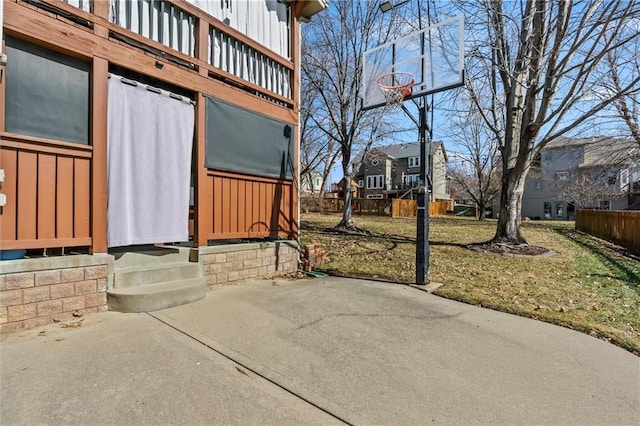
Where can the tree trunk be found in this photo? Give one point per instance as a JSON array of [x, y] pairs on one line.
[[347, 221], [481, 211], [508, 229]]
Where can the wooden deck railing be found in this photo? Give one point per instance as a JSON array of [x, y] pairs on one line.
[[174, 27]]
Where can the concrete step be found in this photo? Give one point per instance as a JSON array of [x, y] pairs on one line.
[[150, 256], [153, 297], [135, 276]]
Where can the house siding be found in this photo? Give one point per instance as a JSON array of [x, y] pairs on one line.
[[398, 173], [574, 157]]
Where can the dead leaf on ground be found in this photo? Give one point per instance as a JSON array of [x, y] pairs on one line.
[[42, 333], [78, 314], [74, 324], [59, 339]]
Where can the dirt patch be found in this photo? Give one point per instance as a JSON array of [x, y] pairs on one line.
[[519, 250]]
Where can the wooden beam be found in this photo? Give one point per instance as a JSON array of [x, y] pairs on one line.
[[44, 243], [99, 84], [36, 144]]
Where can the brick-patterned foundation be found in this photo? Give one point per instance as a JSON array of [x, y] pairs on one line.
[[313, 255], [38, 291], [226, 264]]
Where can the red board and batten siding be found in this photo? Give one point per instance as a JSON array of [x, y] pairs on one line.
[[48, 194], [249, 207]]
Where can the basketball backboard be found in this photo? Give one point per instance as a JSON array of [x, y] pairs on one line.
[[433, 55]]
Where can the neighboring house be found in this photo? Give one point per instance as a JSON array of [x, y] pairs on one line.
[[337, 189], [393, 171], [129, 125], [570, 173], [310, 182]]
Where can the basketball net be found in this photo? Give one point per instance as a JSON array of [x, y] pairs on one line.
[[395, 87]]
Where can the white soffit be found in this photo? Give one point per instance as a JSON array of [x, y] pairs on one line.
[[312, 7]]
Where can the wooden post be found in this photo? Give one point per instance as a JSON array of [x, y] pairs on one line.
[[99, 86], [294, 214], [100, 8], [203, 205], [3, 75]]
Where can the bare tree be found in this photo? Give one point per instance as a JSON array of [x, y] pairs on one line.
[[586, 188], [474, 167], [531, 74], [622, 65], [317, 152], [333, 43]]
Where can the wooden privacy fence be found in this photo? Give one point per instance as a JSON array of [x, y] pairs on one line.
[[393, 208], [372, 207], [619, 227], [409, 208]]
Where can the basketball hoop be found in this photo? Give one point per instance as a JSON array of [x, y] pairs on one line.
[[396, 87]]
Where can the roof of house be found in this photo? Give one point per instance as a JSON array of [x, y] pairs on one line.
[[354, 184], [563, 142], [310, 170], [401, 150]]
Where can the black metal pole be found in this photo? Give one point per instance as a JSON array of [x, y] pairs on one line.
[[422, 228]]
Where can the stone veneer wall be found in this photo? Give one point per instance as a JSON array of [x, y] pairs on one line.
[[35, 292], [225, 264]]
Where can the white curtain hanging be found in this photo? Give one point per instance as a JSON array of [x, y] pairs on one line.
[[150, 138]]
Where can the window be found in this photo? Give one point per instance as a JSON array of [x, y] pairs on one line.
[[375, 197], [412, 180], [47, 93], [361, 183], [414, 161], [562, 176], [547, 210], [375, 182], [624, 179], [612, 178], [605, 205], [374, 162], [559, 209], [538, 183]]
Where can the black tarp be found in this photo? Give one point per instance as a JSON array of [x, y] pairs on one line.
[[47, 93], [242, 141]]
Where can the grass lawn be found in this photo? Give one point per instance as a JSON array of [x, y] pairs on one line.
[[585, 286]]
